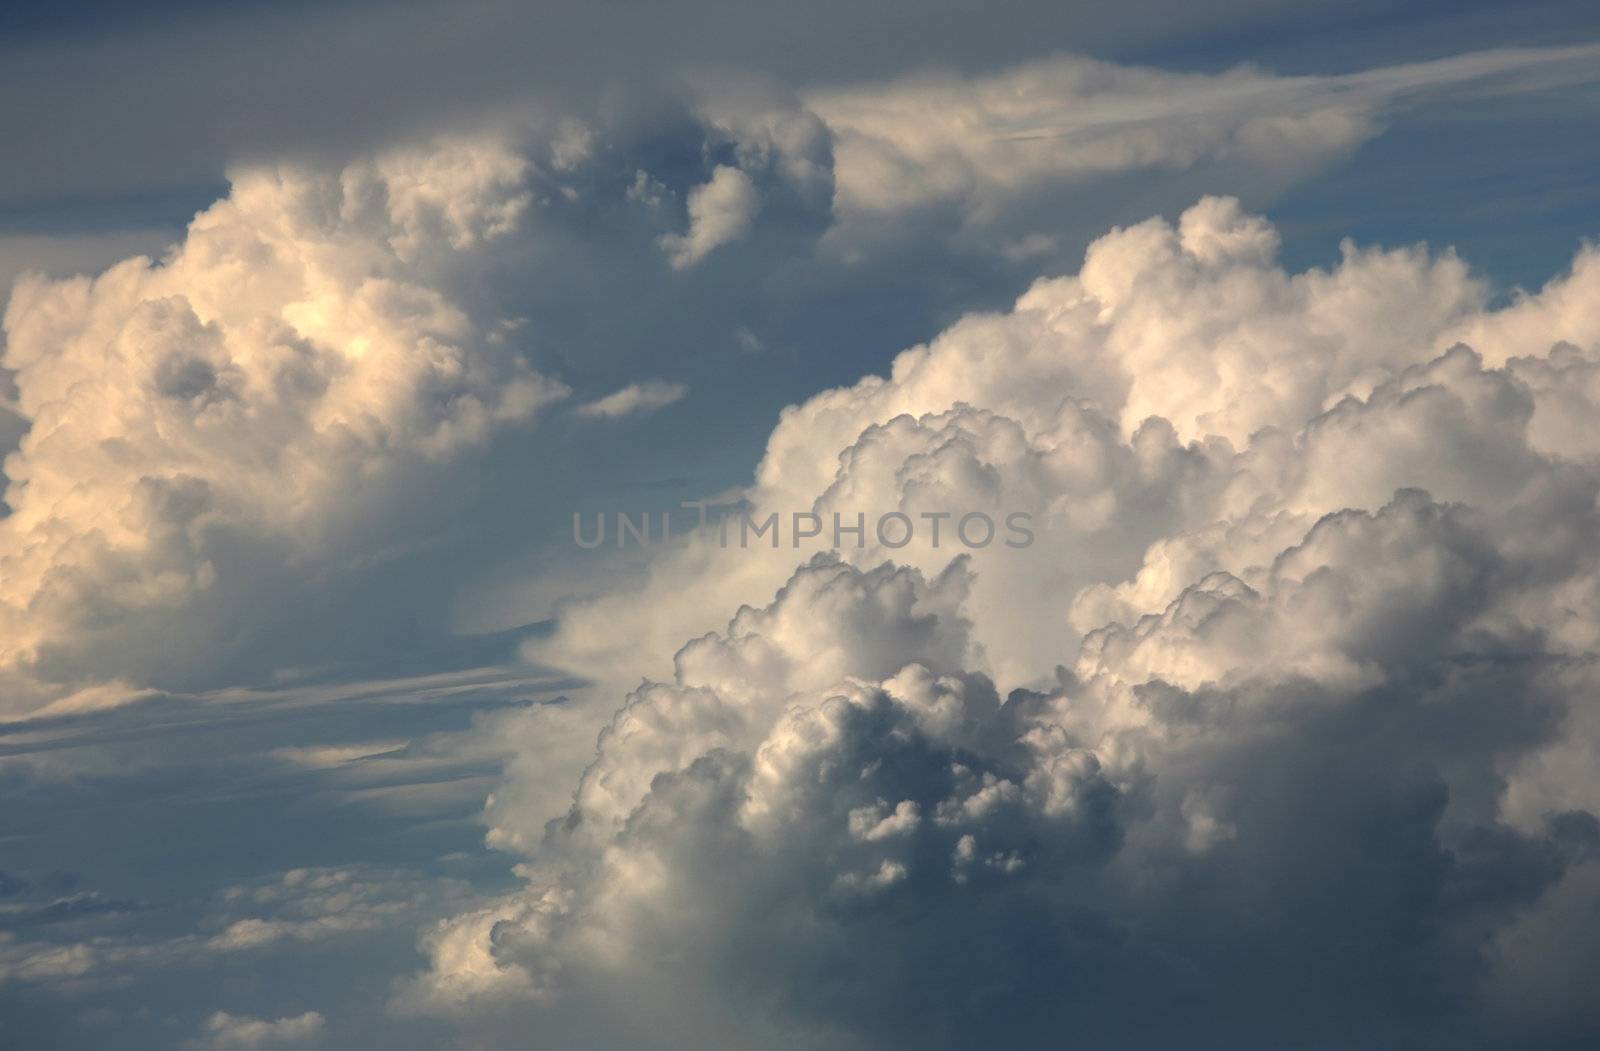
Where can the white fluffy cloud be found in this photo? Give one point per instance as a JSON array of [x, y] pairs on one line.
[[1117, 407], [1288, 704], [289, 354], [1286, 710]]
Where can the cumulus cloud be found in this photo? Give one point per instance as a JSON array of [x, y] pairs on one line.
[[64, 254], [187, 430], [1112, 406], [288, 354], [1284, 714], [634, 398], [720, 211]]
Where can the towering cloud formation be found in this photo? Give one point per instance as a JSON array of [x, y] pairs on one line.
[[291, 353], [190, 421], [1284, 718], [1285, 721]]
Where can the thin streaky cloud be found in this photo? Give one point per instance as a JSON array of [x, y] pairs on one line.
[[634, 398]]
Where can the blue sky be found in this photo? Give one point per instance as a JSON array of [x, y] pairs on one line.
[[317, 729]]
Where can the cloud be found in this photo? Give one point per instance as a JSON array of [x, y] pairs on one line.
[[226, 1032], [720, 211], [1284, 713], [1112, 406], [305, 907], [987, 146], [634, 398], [368, 91], [288, 354], [67, 910], [976, 142], [62, 255], [269, 393]]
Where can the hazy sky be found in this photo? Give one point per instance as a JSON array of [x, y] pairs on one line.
[[1279, 325]]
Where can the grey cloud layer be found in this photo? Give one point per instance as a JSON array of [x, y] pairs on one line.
[[375, 73]]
